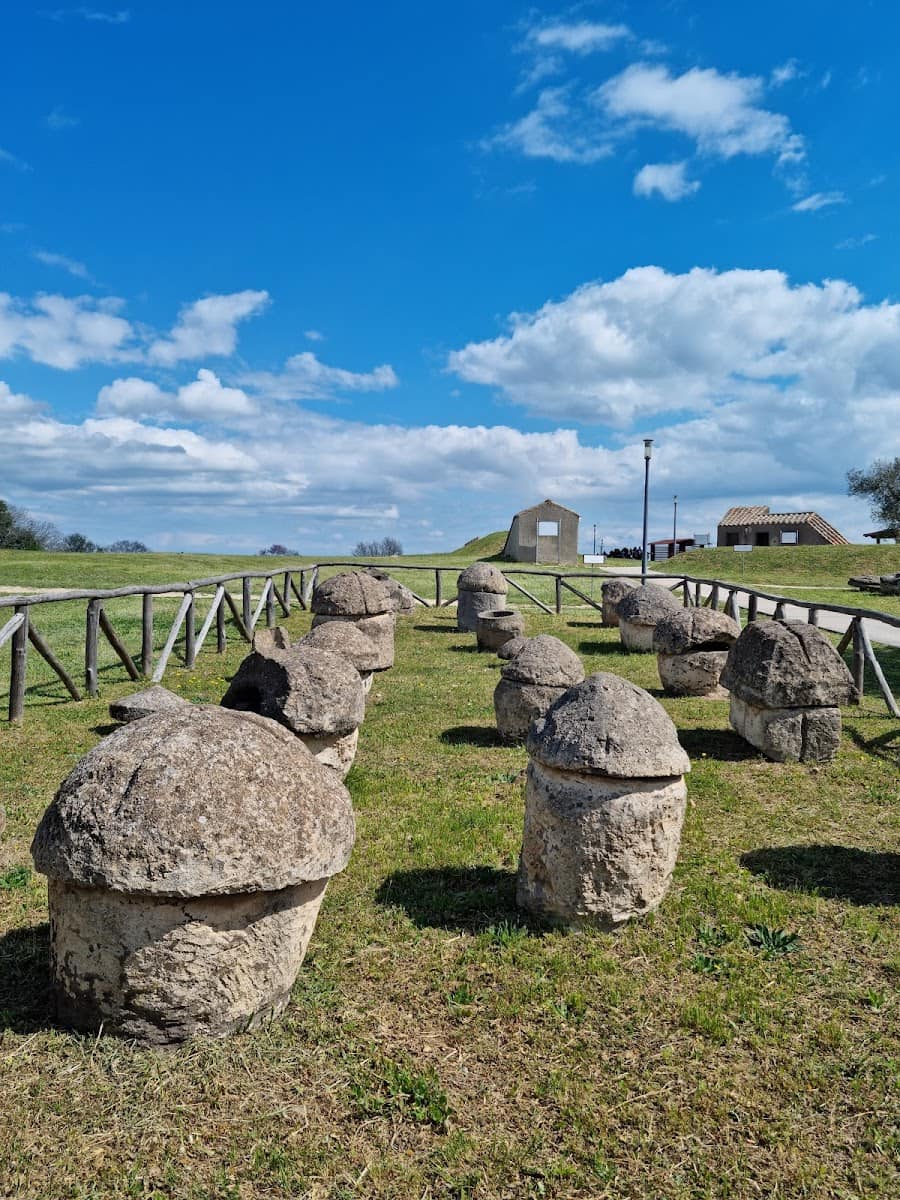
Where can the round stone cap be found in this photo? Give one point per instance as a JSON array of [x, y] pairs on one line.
[[614, 589], [608, 726], [645, 605], [351, 594], [787, 664], [544, 659], [346, 639], [196, 802], [511, 648], [688, 629], [140, 704], [311, 691], [404, 601], [482, 577]]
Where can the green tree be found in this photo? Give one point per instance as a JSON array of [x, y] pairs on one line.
[[880, 484]]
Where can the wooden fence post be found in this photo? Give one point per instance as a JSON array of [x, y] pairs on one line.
[[147, 634], [558, 595], [270, 603], [714, 597], [190, 632], [287, 593], [438, 588], [752, 606], [18, 667], [91, 640], [220, 628], [858, 667], [813, 616], [247, 603]]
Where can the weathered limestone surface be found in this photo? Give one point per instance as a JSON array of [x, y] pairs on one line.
[[639, 611], [612, 591], [478, 588], [604, 805], [788, 734], [187, 856], [495, 627], [403, 600], [530, 682], [379, 630], [787, 664], [692, 646], [358, 597], [344, 638], [141, 704], [267, 640], [511, 648], [316, 694]]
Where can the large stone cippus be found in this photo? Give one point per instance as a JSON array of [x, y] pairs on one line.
[[480, 588], [360, 598], [316, 694], [530, 682], [497, 626], [612, 591], [691, 646], [604, 805], [401, 596], [187, 855], [639, 611], [787, 682], [342, 637]]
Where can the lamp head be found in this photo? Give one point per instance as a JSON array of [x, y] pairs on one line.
[[648, 442]]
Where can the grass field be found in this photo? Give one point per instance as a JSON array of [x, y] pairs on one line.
[[796, 566], [438, 1045]]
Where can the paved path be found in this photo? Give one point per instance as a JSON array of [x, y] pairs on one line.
[[878, 631]]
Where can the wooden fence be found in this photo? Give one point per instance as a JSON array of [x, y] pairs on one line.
[[281, 588]]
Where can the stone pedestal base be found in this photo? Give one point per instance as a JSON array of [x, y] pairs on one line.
[[162, 970], [597, 851], [788, 734], [517, 704], [333, 750], [470, 604], [636, 637], [378, 629], [493, 629], [693, 674]]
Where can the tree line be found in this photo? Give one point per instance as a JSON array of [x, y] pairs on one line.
[[19, 530]]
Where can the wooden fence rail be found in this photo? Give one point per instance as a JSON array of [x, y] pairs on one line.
[[20, 629]]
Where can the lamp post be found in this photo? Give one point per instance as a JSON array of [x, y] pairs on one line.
[[675, 527], [648, 450]]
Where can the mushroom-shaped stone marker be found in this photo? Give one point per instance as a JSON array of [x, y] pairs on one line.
[[639, 612], [529, 683], [315, 694], [604, 804], [187, 855], [612, 591], [363, 600], [511, 648], [340, 637], [479, 588], [691, 646], [496, 626], [267, 640], [141, 704], [403, 599], [786, 682]]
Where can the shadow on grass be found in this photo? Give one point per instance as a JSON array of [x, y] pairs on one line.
[[603, 648], [471, 735], [464, 649], [721, 744], [106, 730], [472, 899], [836, 872], [450, 627], [887, 746], [26, 1003]]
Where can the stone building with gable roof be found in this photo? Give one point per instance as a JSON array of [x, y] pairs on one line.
[[754, 525], [545, 533]]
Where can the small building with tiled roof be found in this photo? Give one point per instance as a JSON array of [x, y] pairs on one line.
[[754, 525]]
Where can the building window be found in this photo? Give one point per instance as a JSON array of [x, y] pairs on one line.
[[732, 538], [762, 537], [548, 528], [789, 537]]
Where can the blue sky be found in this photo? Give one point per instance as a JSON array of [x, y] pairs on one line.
[[312, 274]]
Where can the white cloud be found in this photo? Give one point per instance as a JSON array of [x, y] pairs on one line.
[[854, 243], [208, 326], [554, 129], [206, 399], [578, 37], [11, 160], [720, 112], [59, 119], [669, 179], [100, 16], [785, 73], [819, 200], [14, 404], [652, 342], [313, 335], [65, 333], [71, 265], [306, 378]]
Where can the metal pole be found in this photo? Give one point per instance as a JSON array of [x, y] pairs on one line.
[[675, 528], [648, 442], [595, 539]]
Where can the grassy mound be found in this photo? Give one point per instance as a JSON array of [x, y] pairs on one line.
[[810, 566], [486, 547]]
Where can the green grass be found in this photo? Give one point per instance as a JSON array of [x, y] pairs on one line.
[[743, 1041], [812, 566]]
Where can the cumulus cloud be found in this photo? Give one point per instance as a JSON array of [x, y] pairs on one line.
[[313, 335], [854, 243], [722, 113], [654, 342], [786, 72], [206, 399], [306, 378], [208, 326], [65, 333], [554, 129], [13, 404], [578, 37], [819, 200], [668, 179], [59, 119]]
